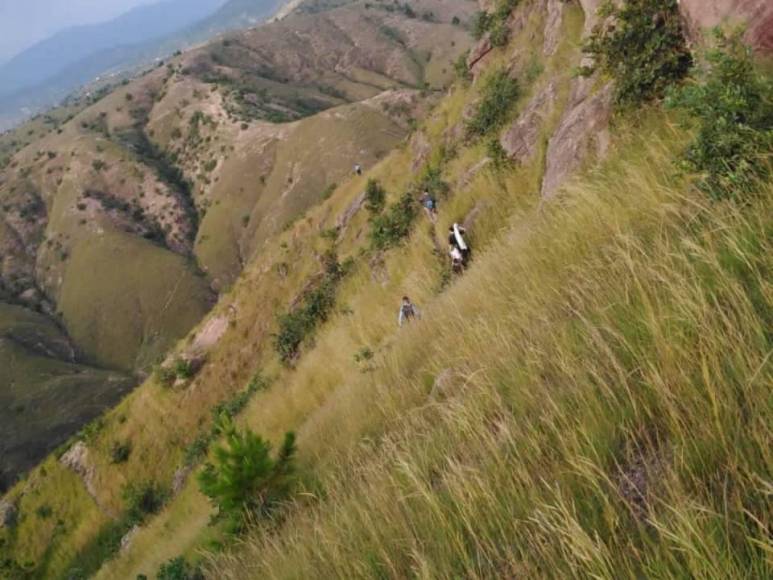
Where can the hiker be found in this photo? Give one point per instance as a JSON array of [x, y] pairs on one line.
[[430, 205], [358, 169], [456, 241], [408, 311], [457, 260]]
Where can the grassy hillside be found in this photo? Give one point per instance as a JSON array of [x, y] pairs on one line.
[[125, 214], [570, 406]]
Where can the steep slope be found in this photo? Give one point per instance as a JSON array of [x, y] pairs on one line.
[[122, 223], [566, 408]]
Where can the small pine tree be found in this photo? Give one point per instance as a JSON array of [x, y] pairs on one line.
[[245, 477]]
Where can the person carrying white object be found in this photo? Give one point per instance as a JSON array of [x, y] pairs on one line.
[[457, 260], [456, 239]]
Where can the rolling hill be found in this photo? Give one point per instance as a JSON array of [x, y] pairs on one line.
[[45, 73], [124, 216]]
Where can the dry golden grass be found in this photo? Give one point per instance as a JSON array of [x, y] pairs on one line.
[[604, 411]]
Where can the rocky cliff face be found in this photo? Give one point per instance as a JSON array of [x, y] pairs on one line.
[[756, 15]]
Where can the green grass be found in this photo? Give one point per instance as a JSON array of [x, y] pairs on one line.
[[151, 296]]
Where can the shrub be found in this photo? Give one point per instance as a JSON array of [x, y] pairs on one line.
[[316, 305], [499, 33], [142, 500], [387, 230], [120, 452], [431, 180], [497, 154], [179, 569], [481, 23], [461, 69], [245, 477], [499, 93], [375, 197], [732, 105], [642, 46]]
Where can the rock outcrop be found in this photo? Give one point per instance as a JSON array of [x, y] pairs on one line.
[[77, 460], [520, 140], [756, 15], [582, 130]]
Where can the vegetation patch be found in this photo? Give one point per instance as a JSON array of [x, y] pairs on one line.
[[388, 229], [498, 95], [316, 305], [641, 45], [731, 104], [245, 478]]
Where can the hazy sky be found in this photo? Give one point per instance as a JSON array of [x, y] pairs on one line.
[[25, 22]]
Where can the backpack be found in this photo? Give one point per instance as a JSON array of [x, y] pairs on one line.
[[408, 311]]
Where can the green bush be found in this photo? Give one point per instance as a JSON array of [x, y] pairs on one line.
[[316, 305], [179, 569], [120, 452], [481, 23], [389, 229], [142, 500], [495, 23], [499, 93], [375, 197], [497, 154], [732, 105], [245, 477], [641, 45]]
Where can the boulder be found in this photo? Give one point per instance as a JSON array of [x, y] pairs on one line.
[[520, 140]]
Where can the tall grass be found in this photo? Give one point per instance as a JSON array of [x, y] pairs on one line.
[[592, 400]]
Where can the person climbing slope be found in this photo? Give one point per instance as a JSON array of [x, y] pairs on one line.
[[430, 205], [408, 311], [358, 169], [457, 242]]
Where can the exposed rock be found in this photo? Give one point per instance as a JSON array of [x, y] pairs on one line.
[[420, 150], [583, 127], [477, 55], [520, 140], [8, 513], [757, 15], [555, 13], [180, 477], [590, 7], [77, 459], [126, 541], [209, 335], [343, 220]]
